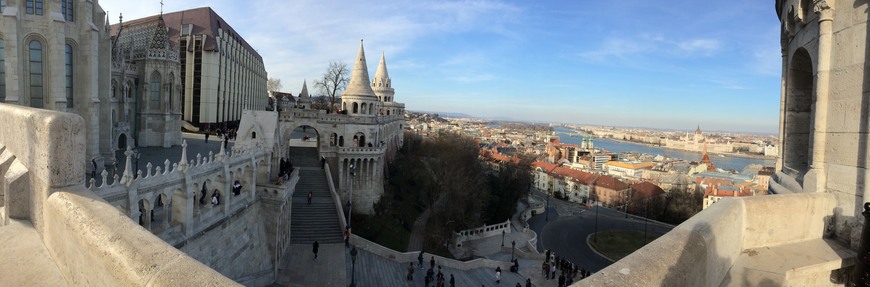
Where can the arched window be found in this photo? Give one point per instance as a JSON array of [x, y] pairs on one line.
[[68, 61], [155, 90], [35, 69], [171, 84], [2, 71], [114, 88], [66, 8], [355, 108], [363, 110]]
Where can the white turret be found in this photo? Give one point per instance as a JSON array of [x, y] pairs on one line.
[[304, 101], [359, 99], [382, 86]]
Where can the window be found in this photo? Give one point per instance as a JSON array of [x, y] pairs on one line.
[[2, 70], [2, 5], [66, 7], [34, 7], [35, 69], [69, 75], [155, 90]]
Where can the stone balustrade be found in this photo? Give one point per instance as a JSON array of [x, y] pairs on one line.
[[405, 257], [482, 232], [90, 241]]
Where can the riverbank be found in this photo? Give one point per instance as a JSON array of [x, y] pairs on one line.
[[742, 155]]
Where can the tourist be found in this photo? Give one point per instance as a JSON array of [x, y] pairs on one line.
[[410, 271], [497, 274], [216, 197], [545, 269], [429, 276], [420, 259], [561, 280], [315, 247], [553, 271], [237, 188], [452, 281], [432, 262], [528, 282], [310, 195], [206, 137], [518, 285], [94, 162]]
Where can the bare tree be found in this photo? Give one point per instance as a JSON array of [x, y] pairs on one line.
[[273, 85], [334, 81]]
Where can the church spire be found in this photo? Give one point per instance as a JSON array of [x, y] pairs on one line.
[[381, 73], [304, 99]]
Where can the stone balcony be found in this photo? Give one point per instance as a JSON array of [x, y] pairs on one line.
[[776, 240]]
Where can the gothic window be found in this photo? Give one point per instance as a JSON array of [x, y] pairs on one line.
[[34, 7], [69, 75], [155, 90], [2, 69], [114, 88], [35, 70], [66, 7]]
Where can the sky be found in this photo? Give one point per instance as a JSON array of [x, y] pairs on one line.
[[672, 64]]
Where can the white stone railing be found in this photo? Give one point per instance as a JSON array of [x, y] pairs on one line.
[[703, 250], [350, 151], [405, 257], [483, 232]]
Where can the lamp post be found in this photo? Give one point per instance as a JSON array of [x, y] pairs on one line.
[[625, 205], [353, 267], [502, 238], [595, 233], [513, 249], [350, 201]]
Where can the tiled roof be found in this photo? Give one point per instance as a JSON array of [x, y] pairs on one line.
[[646, 189]]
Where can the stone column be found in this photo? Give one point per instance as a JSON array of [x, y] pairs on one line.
[[782, 91], [814, 181]]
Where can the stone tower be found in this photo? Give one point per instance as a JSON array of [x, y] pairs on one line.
[[304, 101], [382, 86], [359, 100], [824, 119]]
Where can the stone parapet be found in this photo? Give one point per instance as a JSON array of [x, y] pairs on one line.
[[703, 250], [405, 257]]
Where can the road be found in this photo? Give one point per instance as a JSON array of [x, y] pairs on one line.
[[570, 224]]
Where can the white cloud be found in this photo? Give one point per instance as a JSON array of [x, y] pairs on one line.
[[699, 46], [647, 44]]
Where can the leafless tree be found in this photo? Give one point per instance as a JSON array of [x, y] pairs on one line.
[[273, 85], [334, 81]]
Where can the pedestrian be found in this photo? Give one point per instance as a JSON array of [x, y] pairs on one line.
[[347, 237], [545, 269], [315, 247], [497, 274], [553, 271], [518, 285], [410, 271], [94, 162], [420, 259], [322, 162], [237, 188], [206, 137], [432, 262], [216, 197], [452, 281], [528, 282], [547, 257], [226, 141], [562, 280], [430, 275], [310, 195]]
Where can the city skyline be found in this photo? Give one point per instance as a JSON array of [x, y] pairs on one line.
[[673, 65]]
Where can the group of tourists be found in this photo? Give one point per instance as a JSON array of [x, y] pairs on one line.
[[431, 276], [568, 270]]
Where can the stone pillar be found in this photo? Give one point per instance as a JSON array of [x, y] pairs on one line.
[[814, 181]]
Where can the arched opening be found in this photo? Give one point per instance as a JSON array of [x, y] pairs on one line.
[[122, 142], [364, 106], [355, 108], [333, 139], [304, 136], [797, 124], [341, 141], [145, 214], [359, 140]]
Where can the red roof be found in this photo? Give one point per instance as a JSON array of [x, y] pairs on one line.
[[646, 189], [610, 182]]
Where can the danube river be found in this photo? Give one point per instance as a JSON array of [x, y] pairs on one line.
[[727, 162]]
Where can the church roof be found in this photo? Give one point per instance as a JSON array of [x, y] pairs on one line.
[[205, 21], [359, 85], [159, 40]]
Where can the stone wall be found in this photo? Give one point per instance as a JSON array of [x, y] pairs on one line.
[[237, 247]]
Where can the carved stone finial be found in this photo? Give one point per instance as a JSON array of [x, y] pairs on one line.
[[820, 5], [183, 162]]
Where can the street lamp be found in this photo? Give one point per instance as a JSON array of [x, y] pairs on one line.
[[625, 205], [502, 238], [595, 233], [353, 267], [350, 201], [513, 249]]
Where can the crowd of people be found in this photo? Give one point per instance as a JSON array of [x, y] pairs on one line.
[[568, 271]]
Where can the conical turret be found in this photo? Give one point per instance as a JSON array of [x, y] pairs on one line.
[[381, 84], [304, 100], [359, 99]]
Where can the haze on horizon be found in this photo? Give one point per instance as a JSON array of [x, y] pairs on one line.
[[668, 65]]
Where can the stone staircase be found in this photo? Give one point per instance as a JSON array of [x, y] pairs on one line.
[[318, 221]]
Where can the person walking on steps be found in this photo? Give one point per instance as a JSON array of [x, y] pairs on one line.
[[315, 247], [432, 262], [410, 271], [497, 274], [206, 137], [310, 195], [420, 259]]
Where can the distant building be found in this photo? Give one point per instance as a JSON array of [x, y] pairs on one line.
[[626, 169], [697, 142], [221, 74]]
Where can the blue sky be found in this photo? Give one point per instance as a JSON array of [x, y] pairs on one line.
[[672, 64]]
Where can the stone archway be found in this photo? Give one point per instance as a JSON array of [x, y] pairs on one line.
[[304, 136], [798, 114], [122, 142]]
